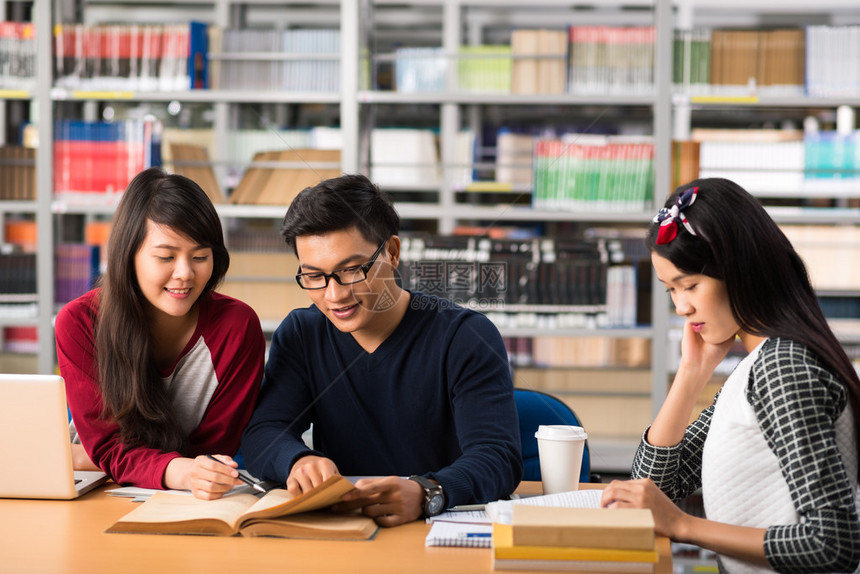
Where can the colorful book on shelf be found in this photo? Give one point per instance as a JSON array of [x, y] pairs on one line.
[[524, 51], [95, 159], [17, 173], [198, 56], [277, 513], [17, 275], [121, 57], [76, 268], [685, 162], [593, 173], [507, 555], [552, 65], [830, 68], [419, 69], [484, 69], [611, 60], [18, 55], [691, 60]]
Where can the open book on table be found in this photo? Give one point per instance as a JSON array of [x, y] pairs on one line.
[[277, 513]]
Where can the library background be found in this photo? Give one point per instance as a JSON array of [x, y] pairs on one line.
[[526, 144]]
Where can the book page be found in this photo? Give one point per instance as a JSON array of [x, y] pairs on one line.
[[280, 502], [163, 508]]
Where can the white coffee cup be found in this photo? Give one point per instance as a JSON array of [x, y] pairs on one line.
[[560, 448]]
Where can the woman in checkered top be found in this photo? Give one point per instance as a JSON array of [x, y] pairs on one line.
[[776, 454]]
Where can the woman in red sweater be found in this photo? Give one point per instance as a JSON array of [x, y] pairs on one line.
[[160, 369]]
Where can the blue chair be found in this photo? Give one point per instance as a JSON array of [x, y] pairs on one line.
[[538, 408]]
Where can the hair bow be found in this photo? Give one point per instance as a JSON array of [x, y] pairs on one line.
[[669, 217]]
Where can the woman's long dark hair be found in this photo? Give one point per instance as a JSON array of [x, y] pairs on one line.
[[768, 287], [133, 392]]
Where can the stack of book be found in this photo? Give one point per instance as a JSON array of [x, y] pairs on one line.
[[741, 62], [611, 60], [298, 60], [831, 70], [761, 61], [17, 282], [76, 268], [17, 173], [17, 55], [146, 57], [539, 61], [583, 172], [764, 161], [485, 69], [94, 161], [419, 69], [575, 539]]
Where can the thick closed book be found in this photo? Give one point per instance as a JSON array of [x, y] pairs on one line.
[[277, 513], [508, 556], [617, 528]]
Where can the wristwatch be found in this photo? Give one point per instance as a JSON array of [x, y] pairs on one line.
[[434, 498]]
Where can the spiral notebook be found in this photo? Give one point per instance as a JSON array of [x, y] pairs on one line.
[[459, 534]]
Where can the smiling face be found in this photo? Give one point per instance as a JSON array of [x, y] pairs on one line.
[[172, 270], [367, 309], [702, 300]]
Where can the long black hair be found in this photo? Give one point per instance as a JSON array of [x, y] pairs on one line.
[[134, 395], [769, 290]]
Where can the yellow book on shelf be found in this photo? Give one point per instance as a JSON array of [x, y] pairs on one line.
[[508, 556], [277, 513], [617, 528]]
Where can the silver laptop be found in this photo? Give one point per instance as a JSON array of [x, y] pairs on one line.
[[34, 441]]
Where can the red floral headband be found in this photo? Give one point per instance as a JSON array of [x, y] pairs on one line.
[[669, 217]]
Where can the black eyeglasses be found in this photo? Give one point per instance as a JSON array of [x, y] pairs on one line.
[[345, 276]]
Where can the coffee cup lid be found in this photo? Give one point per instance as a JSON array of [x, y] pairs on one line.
[[561, 432]]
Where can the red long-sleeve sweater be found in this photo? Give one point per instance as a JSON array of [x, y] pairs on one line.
[[214, 385]]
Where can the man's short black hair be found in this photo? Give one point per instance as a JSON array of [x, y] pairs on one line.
[[340, 203]]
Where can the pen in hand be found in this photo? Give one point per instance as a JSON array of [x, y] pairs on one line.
[[242, 477]]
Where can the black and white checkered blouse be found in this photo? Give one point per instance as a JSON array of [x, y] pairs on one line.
[[796, 401]]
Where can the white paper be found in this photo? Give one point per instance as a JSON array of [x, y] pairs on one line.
[[501, 511]]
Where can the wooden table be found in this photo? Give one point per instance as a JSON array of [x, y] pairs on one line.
[[47, 536]]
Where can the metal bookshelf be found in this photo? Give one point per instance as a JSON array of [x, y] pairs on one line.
[[353, 103]]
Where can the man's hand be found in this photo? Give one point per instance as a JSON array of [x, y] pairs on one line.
[[308, 472], [389, 501]]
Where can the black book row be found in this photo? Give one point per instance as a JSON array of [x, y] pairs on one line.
[[508, 274]]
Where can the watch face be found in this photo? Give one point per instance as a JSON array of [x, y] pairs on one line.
[[434, 505]]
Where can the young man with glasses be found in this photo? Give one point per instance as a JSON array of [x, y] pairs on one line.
[[399, 385]]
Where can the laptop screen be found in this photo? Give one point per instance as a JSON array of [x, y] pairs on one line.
[[34, 438]]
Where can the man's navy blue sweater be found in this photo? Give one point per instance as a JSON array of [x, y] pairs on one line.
[[435, 398]]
